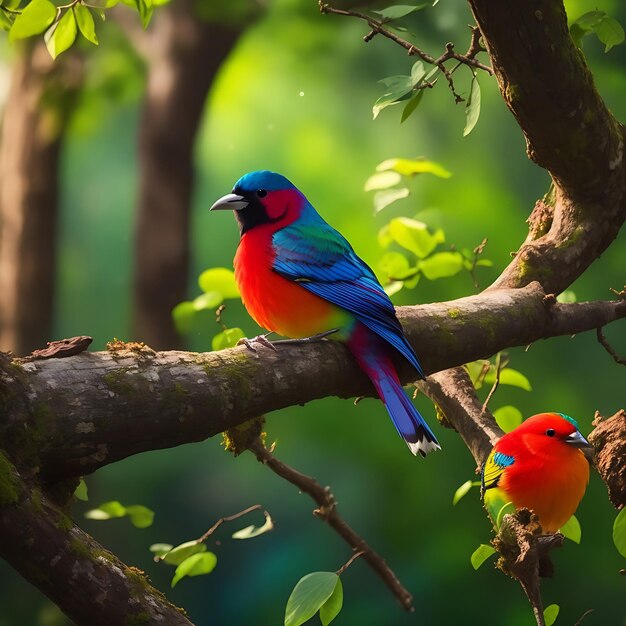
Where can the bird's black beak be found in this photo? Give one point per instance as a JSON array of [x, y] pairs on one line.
[[230, 202]]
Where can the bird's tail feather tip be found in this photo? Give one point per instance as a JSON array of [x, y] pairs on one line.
[[423, 446]]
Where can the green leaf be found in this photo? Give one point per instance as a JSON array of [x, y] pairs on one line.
[[61, 35], [145, 9], [571, 529], [195, 565], [208, 301], [140, 516], [400, 10], [331, 608], [254, 531], [410, 167], [86, 25], [34, 19], [398, 88], [160, 549], [227, 339], [107, 510], [221, 280], [384, 198], [81, 491], [462, 491], [509, 376], [384, 237], [308, 596], [396, 266], [393, 287], [550, 614], [441, 265], [506, 509], [481, 554], [183, 315], [175, 556], [619, 532], [417, 73], [566, 297], [411, 105], [382, 180], [414, 236], [610, 32], [6, 20], [508, 417], [472, 109]]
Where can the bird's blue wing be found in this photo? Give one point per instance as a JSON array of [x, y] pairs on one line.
[[314, 254]]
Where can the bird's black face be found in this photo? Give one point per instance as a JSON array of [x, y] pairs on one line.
[[255, 208]]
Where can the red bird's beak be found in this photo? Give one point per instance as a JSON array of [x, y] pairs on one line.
[[230, 202], [577, 440]]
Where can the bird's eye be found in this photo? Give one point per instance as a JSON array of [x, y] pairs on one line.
[[261, 193], [550, 432]]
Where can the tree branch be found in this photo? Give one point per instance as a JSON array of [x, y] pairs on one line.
[[67, 417], [90, 584]]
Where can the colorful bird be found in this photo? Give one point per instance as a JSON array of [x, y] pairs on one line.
[[539, 465], [299, 277]]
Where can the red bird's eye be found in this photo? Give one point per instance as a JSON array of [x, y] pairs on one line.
[[261, 193], [550, 432]]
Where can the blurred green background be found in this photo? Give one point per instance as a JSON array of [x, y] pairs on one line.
[[295, 96]]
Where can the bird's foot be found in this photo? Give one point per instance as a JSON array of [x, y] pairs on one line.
[[309, 339], [252, 344]]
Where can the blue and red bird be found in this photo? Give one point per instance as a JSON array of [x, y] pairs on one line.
[[299, 277]]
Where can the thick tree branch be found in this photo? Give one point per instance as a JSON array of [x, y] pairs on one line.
[[90, 584], [67, 417]]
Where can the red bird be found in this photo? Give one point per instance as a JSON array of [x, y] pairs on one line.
[[539, 465]]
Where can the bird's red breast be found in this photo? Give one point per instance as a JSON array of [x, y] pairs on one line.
[[274, 302]]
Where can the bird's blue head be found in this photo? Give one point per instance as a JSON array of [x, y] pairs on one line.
[[262, 197]]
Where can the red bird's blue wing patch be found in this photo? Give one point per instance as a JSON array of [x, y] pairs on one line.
[[494, 466]]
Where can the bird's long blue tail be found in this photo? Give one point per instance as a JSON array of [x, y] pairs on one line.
[[371, 354]]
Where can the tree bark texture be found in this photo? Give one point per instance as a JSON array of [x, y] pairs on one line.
[[30, 144], [185, 55]]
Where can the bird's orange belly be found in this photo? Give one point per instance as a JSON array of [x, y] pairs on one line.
[[281, 305]]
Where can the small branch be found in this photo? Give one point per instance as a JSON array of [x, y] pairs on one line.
[[346, 565], [327, 511], [499, 365], [228, 518], [377, 28], [607, 346]]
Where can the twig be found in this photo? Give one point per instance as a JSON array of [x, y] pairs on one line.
[[377, 28], [228, 518], [351, 560], [607, 346], [496, 382], [327, 510], [579, 621]]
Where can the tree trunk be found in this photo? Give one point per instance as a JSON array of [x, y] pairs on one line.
[[30, 146], [181, 71]]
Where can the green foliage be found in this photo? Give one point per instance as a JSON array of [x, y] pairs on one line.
[[400, 10], [505, 509], [81, 491], [254, 531], [176, 555], [483, 372], [310, 595], [228, 338], [62, 34], [195, 565], [62, 23], [550, 614], [463, 490], [472, 108], [139, 515], [606, 28], [481, 554], [571, 529], [508, 417], [619, 532]]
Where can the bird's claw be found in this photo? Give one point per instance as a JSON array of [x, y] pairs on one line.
[[255, 341]]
